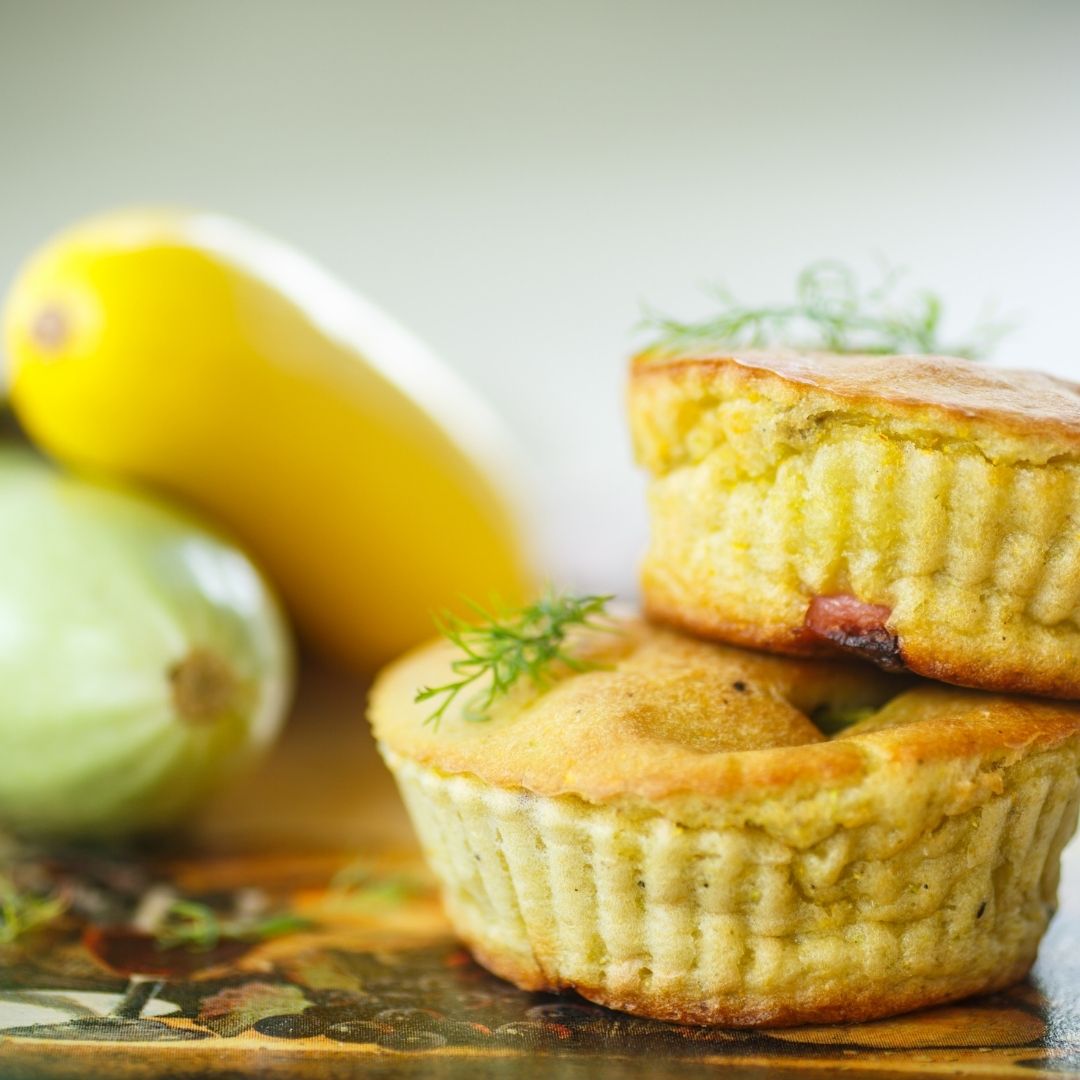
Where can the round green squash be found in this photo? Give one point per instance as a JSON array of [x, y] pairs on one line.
[[143, 659]]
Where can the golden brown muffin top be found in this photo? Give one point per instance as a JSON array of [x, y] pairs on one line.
[[970, 399], [668, 715]]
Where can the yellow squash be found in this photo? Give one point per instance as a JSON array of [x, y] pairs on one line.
[[187, 351]]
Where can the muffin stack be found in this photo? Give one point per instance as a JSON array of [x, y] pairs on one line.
[[687, 830]]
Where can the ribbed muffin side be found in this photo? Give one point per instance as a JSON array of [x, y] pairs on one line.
[[737, 926], [763, 510]]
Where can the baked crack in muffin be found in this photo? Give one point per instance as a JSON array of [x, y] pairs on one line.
[[919, 511], [671, 833]]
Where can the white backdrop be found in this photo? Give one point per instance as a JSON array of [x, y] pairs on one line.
[[513, 179]]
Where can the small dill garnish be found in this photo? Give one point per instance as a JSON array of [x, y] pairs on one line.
[[191, 925], [504, 647], [832, 312], [23, 911]]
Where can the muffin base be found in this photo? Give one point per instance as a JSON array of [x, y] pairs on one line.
[[854, 1009], [744, 926]]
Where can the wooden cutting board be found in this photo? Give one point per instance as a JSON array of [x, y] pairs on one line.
[[376, 985]]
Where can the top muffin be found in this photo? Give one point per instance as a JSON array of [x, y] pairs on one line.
[[919, 511]]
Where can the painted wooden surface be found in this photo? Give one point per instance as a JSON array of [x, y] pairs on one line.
[[375, 984]]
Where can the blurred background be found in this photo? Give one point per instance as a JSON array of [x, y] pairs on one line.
[[512, 181]]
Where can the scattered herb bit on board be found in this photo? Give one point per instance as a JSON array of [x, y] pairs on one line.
[[23, 911], [359, 884], [503, 647], [831, 311], [191, 925]]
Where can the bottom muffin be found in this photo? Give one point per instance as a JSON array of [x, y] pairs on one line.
[[670, 833]]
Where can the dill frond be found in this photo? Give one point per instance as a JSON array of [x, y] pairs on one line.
[[504, 647], [832, 312]]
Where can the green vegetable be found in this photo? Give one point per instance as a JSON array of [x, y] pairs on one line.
[[832, 719], [142, 658], [503, 648], [831, 312]]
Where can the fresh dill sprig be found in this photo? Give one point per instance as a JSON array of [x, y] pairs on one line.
[[22, 911], [191, 925], [504, 647], [832, 312]]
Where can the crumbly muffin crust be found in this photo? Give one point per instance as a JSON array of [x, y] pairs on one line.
[[682, 864], [939, 501], [662, 715]]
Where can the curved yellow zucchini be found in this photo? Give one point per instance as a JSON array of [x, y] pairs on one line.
[[187, 351]]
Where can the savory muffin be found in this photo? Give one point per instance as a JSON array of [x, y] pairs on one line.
[[669, 832], [920, 511]]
